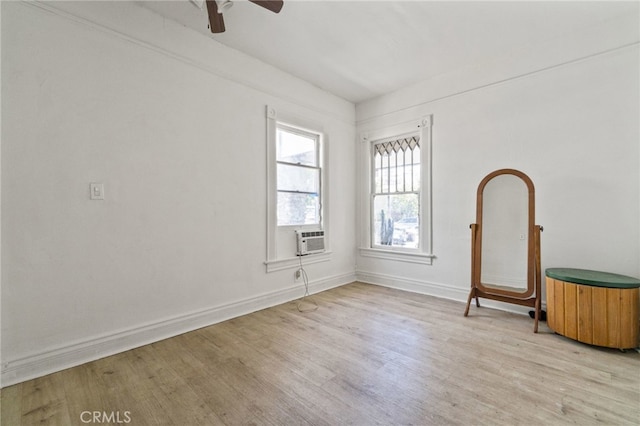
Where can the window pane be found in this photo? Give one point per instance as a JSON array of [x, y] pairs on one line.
[[298, 209], [396, 166], [296, 178], [396, 220], [296, 148], [384, 173], [416, 169]]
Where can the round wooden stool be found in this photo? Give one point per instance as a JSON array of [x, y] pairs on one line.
[[598, 308]]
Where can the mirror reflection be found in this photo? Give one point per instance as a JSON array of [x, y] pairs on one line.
[[504, 233]]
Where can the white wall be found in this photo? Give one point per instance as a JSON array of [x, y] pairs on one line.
[[174, 126], [565, 112]]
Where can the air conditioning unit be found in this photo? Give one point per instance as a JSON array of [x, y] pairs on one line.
[[310, 242]]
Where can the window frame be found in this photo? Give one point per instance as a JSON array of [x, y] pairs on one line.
[[280, 240], [423, 253], [374, 193], [317, 138]]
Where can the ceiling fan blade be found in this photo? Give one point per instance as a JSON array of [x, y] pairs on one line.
[[273, 5], [216, 23]]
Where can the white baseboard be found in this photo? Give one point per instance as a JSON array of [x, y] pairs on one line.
[[443, 291], [70, 355], [415, 286]]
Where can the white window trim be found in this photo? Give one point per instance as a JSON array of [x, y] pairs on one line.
[[276, 260], [423, 254]]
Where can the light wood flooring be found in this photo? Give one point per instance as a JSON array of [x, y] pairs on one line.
[[368, 355]]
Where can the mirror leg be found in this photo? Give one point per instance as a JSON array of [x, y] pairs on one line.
[[471, 295], [537, 315]]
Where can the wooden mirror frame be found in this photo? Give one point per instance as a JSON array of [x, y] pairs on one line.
[[531, 296]]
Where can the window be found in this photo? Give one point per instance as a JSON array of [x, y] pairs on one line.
[[396, 192], [298, 177]]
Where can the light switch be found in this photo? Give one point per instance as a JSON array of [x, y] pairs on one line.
[[96, 191]]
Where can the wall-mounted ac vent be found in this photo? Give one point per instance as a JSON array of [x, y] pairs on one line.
[[310, 242]]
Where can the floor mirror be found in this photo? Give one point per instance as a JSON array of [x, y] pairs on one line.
[[505, 243]]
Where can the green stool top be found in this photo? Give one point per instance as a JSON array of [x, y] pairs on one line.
[[593, 278]]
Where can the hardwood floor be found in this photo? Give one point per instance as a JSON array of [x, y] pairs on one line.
[[368, 355]]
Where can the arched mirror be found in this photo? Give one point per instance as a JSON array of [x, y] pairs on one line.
[[505, 242]]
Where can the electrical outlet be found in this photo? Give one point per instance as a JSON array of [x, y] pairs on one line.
[[298, 274]]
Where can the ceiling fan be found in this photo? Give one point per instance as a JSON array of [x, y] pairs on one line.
[[215, 8]]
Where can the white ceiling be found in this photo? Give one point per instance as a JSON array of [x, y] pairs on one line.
[[359, 50]]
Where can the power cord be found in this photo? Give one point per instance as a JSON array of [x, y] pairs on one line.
[[311, 305]]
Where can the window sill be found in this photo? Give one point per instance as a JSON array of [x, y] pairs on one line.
[[294, 262], [401, 256]]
